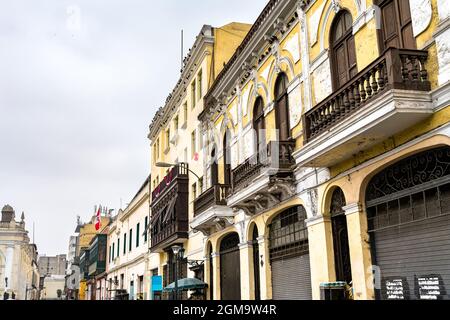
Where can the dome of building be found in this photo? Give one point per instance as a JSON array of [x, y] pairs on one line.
[[7, 213], [7, 208]]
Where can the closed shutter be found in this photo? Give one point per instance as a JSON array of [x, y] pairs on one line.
[[413, 251], [396, 30], [291, 279]]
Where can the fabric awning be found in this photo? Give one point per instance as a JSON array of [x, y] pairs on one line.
[[187, 284]]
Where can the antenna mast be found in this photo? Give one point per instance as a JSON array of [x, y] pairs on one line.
[[182, 48]]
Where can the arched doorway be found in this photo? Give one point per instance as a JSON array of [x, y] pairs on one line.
[[282, 107], [230, 275], [256, 273], [227, 157], [341, 247], [408, 213], [342, 49], [289, 255]]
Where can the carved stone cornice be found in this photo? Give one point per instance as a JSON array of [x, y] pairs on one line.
[[277, 191]]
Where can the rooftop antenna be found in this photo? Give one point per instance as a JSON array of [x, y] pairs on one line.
[[33, 234], [182, 48]]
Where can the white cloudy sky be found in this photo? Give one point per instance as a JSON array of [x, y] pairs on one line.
[[76, 99]]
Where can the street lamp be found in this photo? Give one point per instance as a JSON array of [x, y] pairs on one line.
[[170, 165], [176, 249]]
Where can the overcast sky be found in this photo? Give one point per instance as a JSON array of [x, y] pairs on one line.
[[79, 84]]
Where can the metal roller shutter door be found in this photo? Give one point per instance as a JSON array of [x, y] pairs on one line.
[[415, 250], [291, 279]]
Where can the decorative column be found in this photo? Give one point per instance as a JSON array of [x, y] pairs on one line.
[[9, 266], [360, 256], [442, 37], [216, 275], [304, 45], [265, 273], [247, 284], [321, 253], [206, 276]]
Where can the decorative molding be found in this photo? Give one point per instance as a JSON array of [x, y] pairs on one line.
[[442, 36], [317, 220], [364, 17], [441, 97], [443, 9], [322, 80], [293, 46], [421, 14], [295, 107], [352, 208], [313, 24]]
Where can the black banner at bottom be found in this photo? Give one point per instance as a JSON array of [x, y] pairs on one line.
[[193, 310]]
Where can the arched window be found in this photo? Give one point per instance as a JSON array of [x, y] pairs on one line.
[[214, 167], [282, 107], [227, 157], [396, 25], [342, 48], [259, 123]]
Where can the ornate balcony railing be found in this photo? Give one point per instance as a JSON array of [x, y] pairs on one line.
[[277, 157], [216, 195], [394, 69]]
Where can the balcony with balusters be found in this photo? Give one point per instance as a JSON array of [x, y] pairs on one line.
[[210, 210], [387, 97], [264, 180]]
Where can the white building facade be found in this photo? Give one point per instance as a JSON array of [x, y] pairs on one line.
[[19, 274], [128, 243]]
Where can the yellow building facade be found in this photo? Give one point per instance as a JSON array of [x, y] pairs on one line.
[[86, 232], [324, 159], [176, 139]]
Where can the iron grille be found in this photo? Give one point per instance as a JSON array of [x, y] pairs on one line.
[[406, 175], [288, 234], [430, 203]]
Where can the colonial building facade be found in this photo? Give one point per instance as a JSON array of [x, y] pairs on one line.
[[128, 243], [176, 161], [324, 157], [86, 232], [19, 273]]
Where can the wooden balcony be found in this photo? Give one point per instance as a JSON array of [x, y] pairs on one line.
[[388, 96], [169, 221], [214, 196]]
